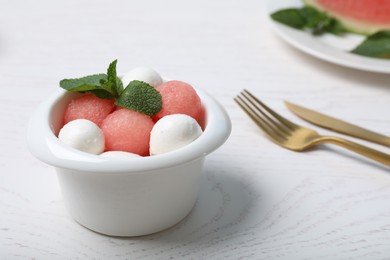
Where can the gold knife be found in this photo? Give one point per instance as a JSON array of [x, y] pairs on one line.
[[337, 124]]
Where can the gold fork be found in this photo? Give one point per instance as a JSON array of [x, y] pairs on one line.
[[295, 137]]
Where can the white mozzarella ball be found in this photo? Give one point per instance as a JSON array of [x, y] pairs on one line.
[[83, 135], [145, 74], [172, 132]]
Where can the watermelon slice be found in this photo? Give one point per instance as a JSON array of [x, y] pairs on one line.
[[358, 16]]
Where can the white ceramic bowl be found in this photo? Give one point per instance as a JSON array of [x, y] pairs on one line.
[[125, 197]]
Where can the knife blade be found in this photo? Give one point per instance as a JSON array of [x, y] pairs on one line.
[[337, 125]]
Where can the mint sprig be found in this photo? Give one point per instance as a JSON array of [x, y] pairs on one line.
[[308, 18], [141, 97], [138, 95], [107, 86]]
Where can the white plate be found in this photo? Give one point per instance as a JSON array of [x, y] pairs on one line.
[[327, 47]]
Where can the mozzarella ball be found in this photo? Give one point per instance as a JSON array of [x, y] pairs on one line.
[[144, 74], [172, 132], [83, 135]]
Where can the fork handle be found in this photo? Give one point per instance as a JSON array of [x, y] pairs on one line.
[[376, 155]]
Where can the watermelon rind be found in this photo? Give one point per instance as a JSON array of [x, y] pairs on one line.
[[350, 24]]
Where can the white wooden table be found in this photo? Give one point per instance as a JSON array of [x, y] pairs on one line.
[[257, 200]]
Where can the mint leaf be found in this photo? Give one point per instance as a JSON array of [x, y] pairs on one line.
[[119, 85], [102, 93], [335, 27], [308, 18], [90, 83], [84, 83], [312, 17], [291, 17], [376, 45], [317, 21], [141, 97], [113, 81]]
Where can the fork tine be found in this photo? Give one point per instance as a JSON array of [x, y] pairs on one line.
[[277, 125], [258, 120], [259, 112], [283, 120]]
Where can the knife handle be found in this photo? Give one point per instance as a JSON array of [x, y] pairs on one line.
[[376, 155]]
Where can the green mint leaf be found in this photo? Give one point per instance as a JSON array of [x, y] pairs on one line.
[[113, 81], [102, 93], [90, 84], [291, 17], [107, 86], [312, 17], [141, 97], [308, 18], [335, 27], [376, 45], [119, 85], [84, 83]]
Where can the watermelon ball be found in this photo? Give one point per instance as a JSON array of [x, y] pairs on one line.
[[179, 98], [89, 107], [127, 130], [83, 135]]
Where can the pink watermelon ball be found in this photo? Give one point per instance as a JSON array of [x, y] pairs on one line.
[[127, 130], [202, 118], [89, 107], [179, 98]]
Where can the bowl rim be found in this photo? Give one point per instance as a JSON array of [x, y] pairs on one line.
[[44, 145]]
